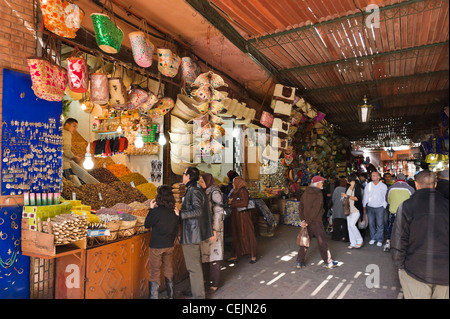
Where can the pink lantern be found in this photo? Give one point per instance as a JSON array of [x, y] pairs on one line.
[[78, 72], [99, 88], [142, 48]]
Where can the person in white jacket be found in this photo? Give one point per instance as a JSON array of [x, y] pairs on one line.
[[374, 203]]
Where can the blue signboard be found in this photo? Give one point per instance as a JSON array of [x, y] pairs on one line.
[[14, 267], [31, 139]]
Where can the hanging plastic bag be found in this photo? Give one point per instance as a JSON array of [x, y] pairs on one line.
[[303, 237]]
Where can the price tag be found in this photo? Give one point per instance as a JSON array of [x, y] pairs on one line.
[[74, 196], [100, 196], [132, 185]]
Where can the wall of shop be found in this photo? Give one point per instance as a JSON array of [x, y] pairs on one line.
[[17, 37]]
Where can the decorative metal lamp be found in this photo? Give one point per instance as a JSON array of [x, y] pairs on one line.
[[390, 152], [364, 111]]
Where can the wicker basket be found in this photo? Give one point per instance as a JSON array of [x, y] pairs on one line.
[[113, 227], [127, 228]]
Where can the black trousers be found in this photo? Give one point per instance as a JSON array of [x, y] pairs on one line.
[[340, 229]]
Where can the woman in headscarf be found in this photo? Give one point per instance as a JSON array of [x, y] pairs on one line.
[[212, 249], [242, 228]]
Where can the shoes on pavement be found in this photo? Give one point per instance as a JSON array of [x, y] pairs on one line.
[[372, 242], [379, 244], [387, 246], [332, 264], [300, 265]]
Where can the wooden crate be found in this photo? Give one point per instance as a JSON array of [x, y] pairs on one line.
[[42, 245]]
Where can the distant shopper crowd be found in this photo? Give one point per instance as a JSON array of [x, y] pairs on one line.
[[407, 217]]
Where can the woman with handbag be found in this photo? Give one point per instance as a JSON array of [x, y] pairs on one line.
[[242, 228], [212, 248], [340, 229], [354, 195]]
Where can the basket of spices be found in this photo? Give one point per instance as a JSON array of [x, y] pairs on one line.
[[127, 225]]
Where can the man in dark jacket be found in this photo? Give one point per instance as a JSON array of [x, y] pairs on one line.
[[420, 244], [311, 212], [196, 226], [442, 184]]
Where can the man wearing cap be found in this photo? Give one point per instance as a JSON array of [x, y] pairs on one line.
[[397, 194], [311, 212], [442, 184]]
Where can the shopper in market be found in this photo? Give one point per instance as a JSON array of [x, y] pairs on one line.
[[212, 249], [70, 128], [196, 226], [163, 220], [354, 193], [420, 241], [311, 212], [374, 203], [442, 184], [242, 228], [397, 194], [363, 180], [339, 220]]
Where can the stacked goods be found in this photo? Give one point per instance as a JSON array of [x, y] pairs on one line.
[[137, 205], [66, 228], [130, 194], [127, 225], [140, 214], [178, 190], [68, 190], [119, 170], [136, 178], [148, 189], [122, 207], [99, 225], [106, 218], [103, 175], [100, 195]]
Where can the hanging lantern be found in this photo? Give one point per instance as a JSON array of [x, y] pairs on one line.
[[99, 88], [107, 34], [142, 48], [78, 72]]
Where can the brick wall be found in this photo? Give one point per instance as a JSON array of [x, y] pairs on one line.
[[17, 38]]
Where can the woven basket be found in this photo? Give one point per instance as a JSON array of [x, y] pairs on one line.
[[113, 227], [127, 228], [185, 109]]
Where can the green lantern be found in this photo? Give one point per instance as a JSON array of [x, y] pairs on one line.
[[107, 34]]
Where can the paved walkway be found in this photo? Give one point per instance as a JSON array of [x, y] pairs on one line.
[[274, 276]]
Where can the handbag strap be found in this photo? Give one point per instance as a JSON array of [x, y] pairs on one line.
[[76, 52]]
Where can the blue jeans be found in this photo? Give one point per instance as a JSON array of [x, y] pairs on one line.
[[391, 224], [376, 223]]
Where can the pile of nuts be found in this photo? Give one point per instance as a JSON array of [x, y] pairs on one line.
[[103, 175], [66, 228]]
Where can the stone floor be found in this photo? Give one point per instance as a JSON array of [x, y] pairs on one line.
[[366, 273]]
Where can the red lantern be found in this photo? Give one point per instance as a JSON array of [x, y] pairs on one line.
[[78, 72]]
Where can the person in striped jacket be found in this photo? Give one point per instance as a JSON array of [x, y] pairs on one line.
[[397, 193]]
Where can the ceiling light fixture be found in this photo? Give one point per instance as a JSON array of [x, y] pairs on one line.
[[364, 111]]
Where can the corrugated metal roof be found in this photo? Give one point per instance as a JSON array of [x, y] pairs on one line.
[[257, 18], [328, 51]]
